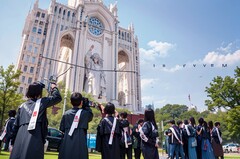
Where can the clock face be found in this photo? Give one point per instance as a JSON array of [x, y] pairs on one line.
[[95, 26]]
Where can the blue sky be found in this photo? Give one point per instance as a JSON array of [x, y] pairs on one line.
[[170, 32]]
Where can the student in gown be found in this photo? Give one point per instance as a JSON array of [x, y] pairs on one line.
[[74, 143], [137, 141], [199, 138], [6, 135], [192, 142], [217, 141], [108, 135], [126, 141], [174, 141], [181, 151], [207, 151], [185, 139], [149, 136], [29, 142]]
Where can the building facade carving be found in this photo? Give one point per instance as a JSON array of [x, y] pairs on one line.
[[59, 38]]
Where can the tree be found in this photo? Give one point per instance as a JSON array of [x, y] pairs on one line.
[[175, 110], [233, 126], [9, 98], [191, 113], [224, 92]]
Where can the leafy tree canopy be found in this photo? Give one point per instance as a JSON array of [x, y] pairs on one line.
[[224, 92], [9, 98]]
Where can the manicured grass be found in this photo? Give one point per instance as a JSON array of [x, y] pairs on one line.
[[50, 155], [232, 157], [54, 155]]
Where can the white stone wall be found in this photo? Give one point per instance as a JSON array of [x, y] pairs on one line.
[[65, 26]]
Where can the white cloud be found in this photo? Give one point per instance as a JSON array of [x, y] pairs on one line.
[[147, 82], [160, 48], [226, 49], [219, 59], [172, 69], [223, 56], [147, 55], [157, 49]]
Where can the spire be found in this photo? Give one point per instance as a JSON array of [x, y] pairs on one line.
[[113, 9], [75, 3], [51, 7], [36, 4]]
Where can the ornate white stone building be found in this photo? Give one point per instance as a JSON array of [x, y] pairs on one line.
[[84, 42]]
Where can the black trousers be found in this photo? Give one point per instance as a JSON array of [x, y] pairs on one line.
[[126, 151], [137, 153]]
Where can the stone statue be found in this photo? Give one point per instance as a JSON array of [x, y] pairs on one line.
[[95, 82]]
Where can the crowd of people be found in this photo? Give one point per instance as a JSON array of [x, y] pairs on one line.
[[190, 141], [25, 135]]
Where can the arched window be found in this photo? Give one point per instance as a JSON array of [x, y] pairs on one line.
[[123, 35], [55, 10], [60, 11], [68, 15], [73, 16], [119, 34], [64, 12], [34, 30]]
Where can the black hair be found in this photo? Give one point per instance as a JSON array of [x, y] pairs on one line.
[[205, 125], [109, 108], [124, 115], [179, 122], [140, 121], [210, 124], [34, 90], [217, 123], [185, 122], [171, 121], [76, 99], [200, 121], [149, 116], [192, 120], [11, 113]]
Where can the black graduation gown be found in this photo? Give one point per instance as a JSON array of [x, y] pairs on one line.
[[148, 148], [75, 146], [30, 144], [7, 137], [137, 136], [109, 151]]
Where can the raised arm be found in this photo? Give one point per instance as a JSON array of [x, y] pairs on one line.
[[54, 98]]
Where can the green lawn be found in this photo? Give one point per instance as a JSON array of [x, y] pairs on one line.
[[50, 155], [54, 155]]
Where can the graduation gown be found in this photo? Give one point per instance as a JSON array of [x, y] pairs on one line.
[[148, 148], [104, 130], [30, 144], [75, 146]]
